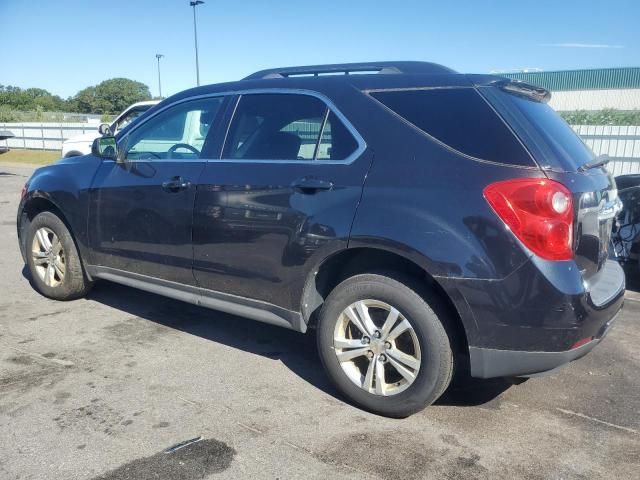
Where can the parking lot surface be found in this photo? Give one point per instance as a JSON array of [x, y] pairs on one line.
[[101, 388]]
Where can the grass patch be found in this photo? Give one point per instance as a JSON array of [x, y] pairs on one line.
[[34, 157]]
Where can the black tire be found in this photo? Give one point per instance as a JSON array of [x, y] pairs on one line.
[[437, 363], [74, 283]]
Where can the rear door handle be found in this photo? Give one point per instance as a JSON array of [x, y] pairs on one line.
[[312, 184], [176, 184]]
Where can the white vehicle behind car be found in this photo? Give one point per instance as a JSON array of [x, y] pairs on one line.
[[81, 144]]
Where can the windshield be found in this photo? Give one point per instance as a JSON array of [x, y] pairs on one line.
[[551, 140]]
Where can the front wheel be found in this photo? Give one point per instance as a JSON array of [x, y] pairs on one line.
[[53, 259], [383, 346]]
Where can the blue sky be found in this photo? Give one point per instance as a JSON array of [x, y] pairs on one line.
[[66, 45]]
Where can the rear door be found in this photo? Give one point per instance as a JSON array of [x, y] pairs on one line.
[[140, 217], [283, 194]]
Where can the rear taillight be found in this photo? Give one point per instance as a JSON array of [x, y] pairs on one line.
[[538, 211]]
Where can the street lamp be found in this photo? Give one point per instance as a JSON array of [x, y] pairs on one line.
[[195, 37], [159, 56]]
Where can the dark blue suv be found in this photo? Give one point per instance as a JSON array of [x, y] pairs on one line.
[[421, 220]]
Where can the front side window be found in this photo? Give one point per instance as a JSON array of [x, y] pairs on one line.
[[286, 127], [461, 119], [176, 133], [129, 117]]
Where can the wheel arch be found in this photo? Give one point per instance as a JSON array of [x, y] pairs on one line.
[[353, 261], [31, 207], [35, 205]]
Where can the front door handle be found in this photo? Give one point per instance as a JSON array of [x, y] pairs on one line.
[[312, 184], [176, 184]]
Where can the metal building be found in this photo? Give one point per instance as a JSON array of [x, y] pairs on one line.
[[589, 89]]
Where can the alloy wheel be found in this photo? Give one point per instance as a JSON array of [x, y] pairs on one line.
[[48, 257], [377, 347]]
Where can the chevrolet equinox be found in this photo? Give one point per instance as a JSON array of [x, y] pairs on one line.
[[421, 220]]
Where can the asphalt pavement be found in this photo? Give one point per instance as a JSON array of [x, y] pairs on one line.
[[129, 385]]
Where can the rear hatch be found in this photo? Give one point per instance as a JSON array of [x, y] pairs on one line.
[[564, 157]]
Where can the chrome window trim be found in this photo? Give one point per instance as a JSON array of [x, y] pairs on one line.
[[322, 127], [362, 146]]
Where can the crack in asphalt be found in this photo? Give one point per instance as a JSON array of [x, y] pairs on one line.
[[602, 422]]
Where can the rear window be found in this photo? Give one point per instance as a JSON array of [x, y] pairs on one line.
[[558, 145], [459, 118]]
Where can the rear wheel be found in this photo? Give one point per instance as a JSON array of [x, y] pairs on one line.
[[53, 259], [383, 346]]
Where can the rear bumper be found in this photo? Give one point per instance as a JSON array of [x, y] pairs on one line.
[[538, 318], [489, 363]]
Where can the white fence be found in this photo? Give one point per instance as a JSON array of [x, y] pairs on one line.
[[621, 143], [44, 136]]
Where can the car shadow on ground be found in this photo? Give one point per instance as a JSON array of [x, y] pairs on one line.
[[296, 351], [466, 391]]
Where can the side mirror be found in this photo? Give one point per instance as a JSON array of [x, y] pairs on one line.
[[105, 129], [106, 147]]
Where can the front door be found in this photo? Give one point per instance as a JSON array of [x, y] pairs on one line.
[[140, 218], [284, 193]]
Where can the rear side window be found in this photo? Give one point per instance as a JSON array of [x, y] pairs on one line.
[[461, 119], [287, 127]]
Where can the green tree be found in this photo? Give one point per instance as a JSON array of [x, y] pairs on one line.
[[108, 97], [114, 95], [85, 100], [29, 99]]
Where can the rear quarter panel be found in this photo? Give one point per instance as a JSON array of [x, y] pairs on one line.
[[425, 202]]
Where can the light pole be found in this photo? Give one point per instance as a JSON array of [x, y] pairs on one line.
[[159, 56], [195, 37]]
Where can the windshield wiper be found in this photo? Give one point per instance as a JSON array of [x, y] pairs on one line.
[[597, 162]]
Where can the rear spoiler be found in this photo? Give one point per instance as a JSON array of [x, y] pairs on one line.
[[523, 89]]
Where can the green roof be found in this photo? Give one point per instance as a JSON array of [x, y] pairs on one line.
[[588, 79]]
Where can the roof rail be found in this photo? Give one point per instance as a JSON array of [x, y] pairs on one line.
[[347, 68]]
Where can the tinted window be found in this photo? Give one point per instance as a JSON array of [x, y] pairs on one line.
[[172, 128], [176, 133], [555, 138], [307, 130], [336, 143], [286, 127], [459, 118]]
